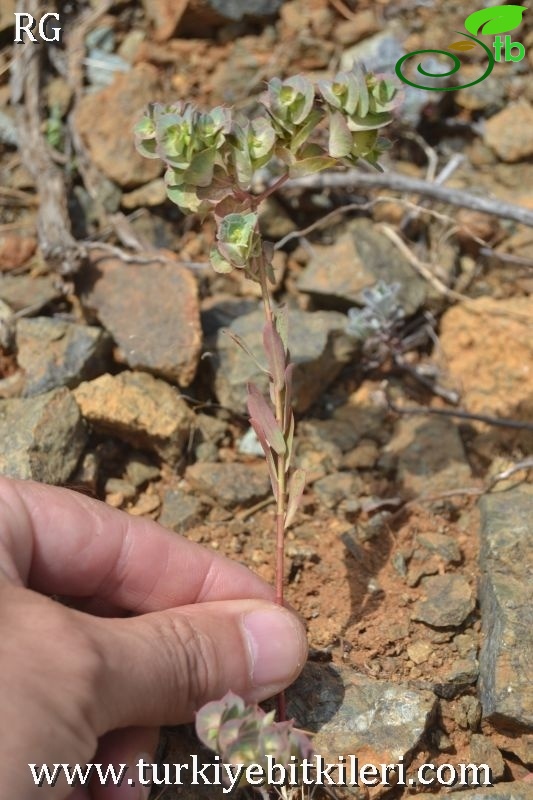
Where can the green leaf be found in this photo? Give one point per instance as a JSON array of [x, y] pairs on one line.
[[185, 197], [340, 137], [218, 263], [498, 19]]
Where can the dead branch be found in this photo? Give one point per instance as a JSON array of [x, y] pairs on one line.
[[58, 246], [357, 179]]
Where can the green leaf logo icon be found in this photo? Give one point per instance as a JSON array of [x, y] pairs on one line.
[[498, 19]]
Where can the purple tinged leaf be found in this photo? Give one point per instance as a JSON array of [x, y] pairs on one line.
[[269, 457], [275, 353], [262, 415], [296, 490]]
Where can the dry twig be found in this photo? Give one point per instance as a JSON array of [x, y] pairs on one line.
[[357, 179]]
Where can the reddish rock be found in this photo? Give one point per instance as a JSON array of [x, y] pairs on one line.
[[510, 132], [488, 349], [165, 16], [151, 310], [140, 409], [15, 250], [105, 121]]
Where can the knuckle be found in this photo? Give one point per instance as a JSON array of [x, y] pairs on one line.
[[192, 658]]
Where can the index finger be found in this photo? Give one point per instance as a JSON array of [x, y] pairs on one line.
[[60, 542]]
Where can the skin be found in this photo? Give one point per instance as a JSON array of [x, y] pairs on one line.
[[151, 627]]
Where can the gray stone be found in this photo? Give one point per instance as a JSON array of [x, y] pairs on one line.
[[319, 349], [236, 10], [457, 676], [357, 260], [180, 510], [53, 352], [483, 751], [151, 310], [230, 484], [42, 437], [504, 791], [29, 291], [506, 560], [351, 713], [332, 489], [443, 545], [430, 455], [448, 601], [139, 409], [139, 470]]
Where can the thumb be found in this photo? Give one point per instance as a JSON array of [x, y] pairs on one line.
[[159, 668]]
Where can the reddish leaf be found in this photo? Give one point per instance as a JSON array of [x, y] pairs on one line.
[[287, 410], [269, 457], [263, 416], [275, 353]]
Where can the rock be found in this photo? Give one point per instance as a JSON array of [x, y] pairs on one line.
[[506, 560], [483, 751], [430, 454], [163, 336], [230, 484], [15, 250], [444, 546], [104, 121], [151, 194], [140, 470], [457, 676], [332, 489], [468, 712], [489, 94], [338, 273], [364, 456], [165, 16], [53, 353], [517, 790], [419, 651], [448, 601], [351, 713], [361, 25], [319, 349], [42, 437], [180, 510], [510, 132], [28, 291], [8, 326], [235, 10], [140, 409], [488, 350]]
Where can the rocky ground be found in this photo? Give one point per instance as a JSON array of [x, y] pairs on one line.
[[411, 557]]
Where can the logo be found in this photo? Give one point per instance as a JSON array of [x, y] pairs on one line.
[[488, 22], [25, 23]]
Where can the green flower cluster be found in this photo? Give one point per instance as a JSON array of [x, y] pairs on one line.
[[243, 734], [211, 156]]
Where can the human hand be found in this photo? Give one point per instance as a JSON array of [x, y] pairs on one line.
[[92, 683]]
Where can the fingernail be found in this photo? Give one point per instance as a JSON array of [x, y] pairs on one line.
[[277, 646]]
